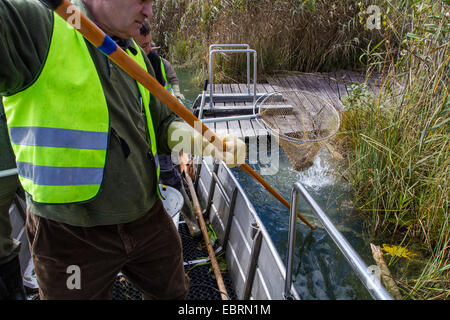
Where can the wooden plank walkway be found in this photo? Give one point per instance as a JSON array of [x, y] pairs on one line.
[[332, 87]]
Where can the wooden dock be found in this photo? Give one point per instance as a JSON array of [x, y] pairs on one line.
[[234, 99]]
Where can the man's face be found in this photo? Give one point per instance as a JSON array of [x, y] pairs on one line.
[[144, 42], [124, 18]]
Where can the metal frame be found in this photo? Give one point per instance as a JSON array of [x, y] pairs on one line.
[[375, 288], [249, 51], [231, 213], [211, 188], [256, 249]]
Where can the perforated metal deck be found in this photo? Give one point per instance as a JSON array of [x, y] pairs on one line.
[[203, 285]]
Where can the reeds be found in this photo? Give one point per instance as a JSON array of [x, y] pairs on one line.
[[400, 140]]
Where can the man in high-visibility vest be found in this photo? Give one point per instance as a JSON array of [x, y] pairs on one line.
[[11, 285], [86, 138]]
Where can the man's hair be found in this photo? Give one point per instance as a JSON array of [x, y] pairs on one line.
[[145, 29]]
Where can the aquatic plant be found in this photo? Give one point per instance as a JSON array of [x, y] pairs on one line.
[[400, 143]]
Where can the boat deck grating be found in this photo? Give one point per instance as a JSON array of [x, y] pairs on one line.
[[203, 285]]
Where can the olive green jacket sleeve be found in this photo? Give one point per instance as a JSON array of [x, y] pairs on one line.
[[21, 53]]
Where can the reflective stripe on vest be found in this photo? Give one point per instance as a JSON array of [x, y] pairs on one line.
[[59, 126]]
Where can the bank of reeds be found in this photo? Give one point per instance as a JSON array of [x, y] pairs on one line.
[[400, 140], [318, 35]]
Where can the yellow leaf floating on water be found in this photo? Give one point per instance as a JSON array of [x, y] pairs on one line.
[[398, 251]]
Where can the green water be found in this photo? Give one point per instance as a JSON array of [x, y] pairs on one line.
[[320, 270]]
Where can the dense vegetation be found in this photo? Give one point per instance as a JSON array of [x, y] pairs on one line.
[[398, 139]]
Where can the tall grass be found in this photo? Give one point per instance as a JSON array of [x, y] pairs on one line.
[[289, 35], [400, 139]]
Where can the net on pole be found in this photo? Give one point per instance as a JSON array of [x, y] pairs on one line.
[[300, 120]]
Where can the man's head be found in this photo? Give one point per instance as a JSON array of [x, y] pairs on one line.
[[144, 39], [120, 18]]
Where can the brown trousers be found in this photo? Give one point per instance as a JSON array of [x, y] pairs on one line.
[[147, 251]]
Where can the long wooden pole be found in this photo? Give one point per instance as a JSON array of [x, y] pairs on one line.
[[104, 43], [209, 247]]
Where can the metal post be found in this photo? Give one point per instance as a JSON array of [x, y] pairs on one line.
[[230, 218], [9, 172], [248, 71], [255, 75], [222, 119], [291, 245], [211, 91]]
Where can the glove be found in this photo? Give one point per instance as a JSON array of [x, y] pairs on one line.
[[177, 92], [236, 151], [183, 138]]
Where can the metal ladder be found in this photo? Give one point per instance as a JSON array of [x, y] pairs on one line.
[[373, 285]]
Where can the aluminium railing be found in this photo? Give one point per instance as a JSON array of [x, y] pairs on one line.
[[373, 285]]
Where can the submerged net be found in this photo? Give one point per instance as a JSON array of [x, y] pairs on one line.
[[300, 120]]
